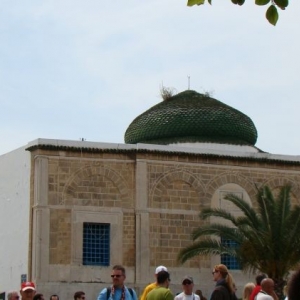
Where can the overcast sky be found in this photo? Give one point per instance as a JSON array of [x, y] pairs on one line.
[[73, 69]]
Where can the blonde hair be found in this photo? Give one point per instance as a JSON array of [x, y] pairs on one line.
[[248, 288], [285, 290], [227, 276]]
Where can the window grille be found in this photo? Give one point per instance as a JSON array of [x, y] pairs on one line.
[[96, 244], [228, 260]]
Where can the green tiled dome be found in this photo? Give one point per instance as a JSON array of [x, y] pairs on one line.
[[191, 117]]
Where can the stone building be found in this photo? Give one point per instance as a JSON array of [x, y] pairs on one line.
[[73, 209]]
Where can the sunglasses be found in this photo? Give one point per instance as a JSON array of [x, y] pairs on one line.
[[187, 282], [215, 272], [117, 276]]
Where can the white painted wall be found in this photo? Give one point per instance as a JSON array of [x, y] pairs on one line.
[[14, 217]]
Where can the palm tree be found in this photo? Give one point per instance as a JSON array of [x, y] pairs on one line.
[[268, 237]]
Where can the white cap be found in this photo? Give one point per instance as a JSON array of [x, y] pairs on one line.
[[160, 268]]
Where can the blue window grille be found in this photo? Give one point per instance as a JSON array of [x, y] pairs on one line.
[[96, 244], [228, 260]]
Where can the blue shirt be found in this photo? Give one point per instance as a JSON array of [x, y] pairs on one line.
[[117, 295]]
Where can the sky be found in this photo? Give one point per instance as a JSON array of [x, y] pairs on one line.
[[74, 70]]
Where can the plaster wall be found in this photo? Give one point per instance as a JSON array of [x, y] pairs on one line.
[[14, 217]]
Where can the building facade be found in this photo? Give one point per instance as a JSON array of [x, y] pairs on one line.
[[88, 206]]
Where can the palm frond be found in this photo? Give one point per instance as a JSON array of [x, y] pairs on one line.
[[217, 212], [249, 213], [284, 202], [204, 247], [268, 237], [218, 230], [291, 237], [265, 201]]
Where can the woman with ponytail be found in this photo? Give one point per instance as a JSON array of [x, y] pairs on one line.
[[225, 288]]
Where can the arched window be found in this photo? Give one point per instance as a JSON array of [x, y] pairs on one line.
[[218, 201]]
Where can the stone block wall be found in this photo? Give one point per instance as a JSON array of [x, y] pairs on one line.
[[169, 233], [165, 204], [128, 240], [60, 236]]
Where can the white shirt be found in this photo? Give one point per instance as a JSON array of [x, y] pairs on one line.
[[183, 296], [263, 296]]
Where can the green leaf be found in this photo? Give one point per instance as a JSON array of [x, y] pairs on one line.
[[195, 2], [262, 2], [239, 2], [209, 1], [282, 3], [272, 14]]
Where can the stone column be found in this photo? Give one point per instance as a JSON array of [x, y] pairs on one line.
[[142, 223], [40, 221]]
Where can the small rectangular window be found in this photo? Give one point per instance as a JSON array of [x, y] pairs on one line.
[[96, 244], [230, 261]]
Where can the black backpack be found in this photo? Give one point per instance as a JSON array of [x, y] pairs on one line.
[[108, 290]]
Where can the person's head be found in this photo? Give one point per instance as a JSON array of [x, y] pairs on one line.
[[80, 295], [118, 275], [187, 285], [13, 295], [221, 272], [163, 278], [54, 297], [293, 290], [199, 293], [259, 278], [267, 285], [38, 297], [159, 269], [27, 290], [248, 288]]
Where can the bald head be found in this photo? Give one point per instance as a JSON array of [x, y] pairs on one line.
[[267, 285]]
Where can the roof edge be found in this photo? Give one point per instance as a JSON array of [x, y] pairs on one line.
[[98, 147]]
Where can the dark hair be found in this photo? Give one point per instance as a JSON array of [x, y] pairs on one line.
[[293, 292], [78, 294], [120, 268], [38, 296], [259, 278], [199, 293], [54, 295], [162, 276]]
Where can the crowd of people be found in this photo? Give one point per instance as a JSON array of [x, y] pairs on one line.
[[159, 290], [28, 292]]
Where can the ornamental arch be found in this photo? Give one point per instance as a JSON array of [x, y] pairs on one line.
[[236, 181], [277, 182], [218, 199], [96, 186], [178, 189]]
